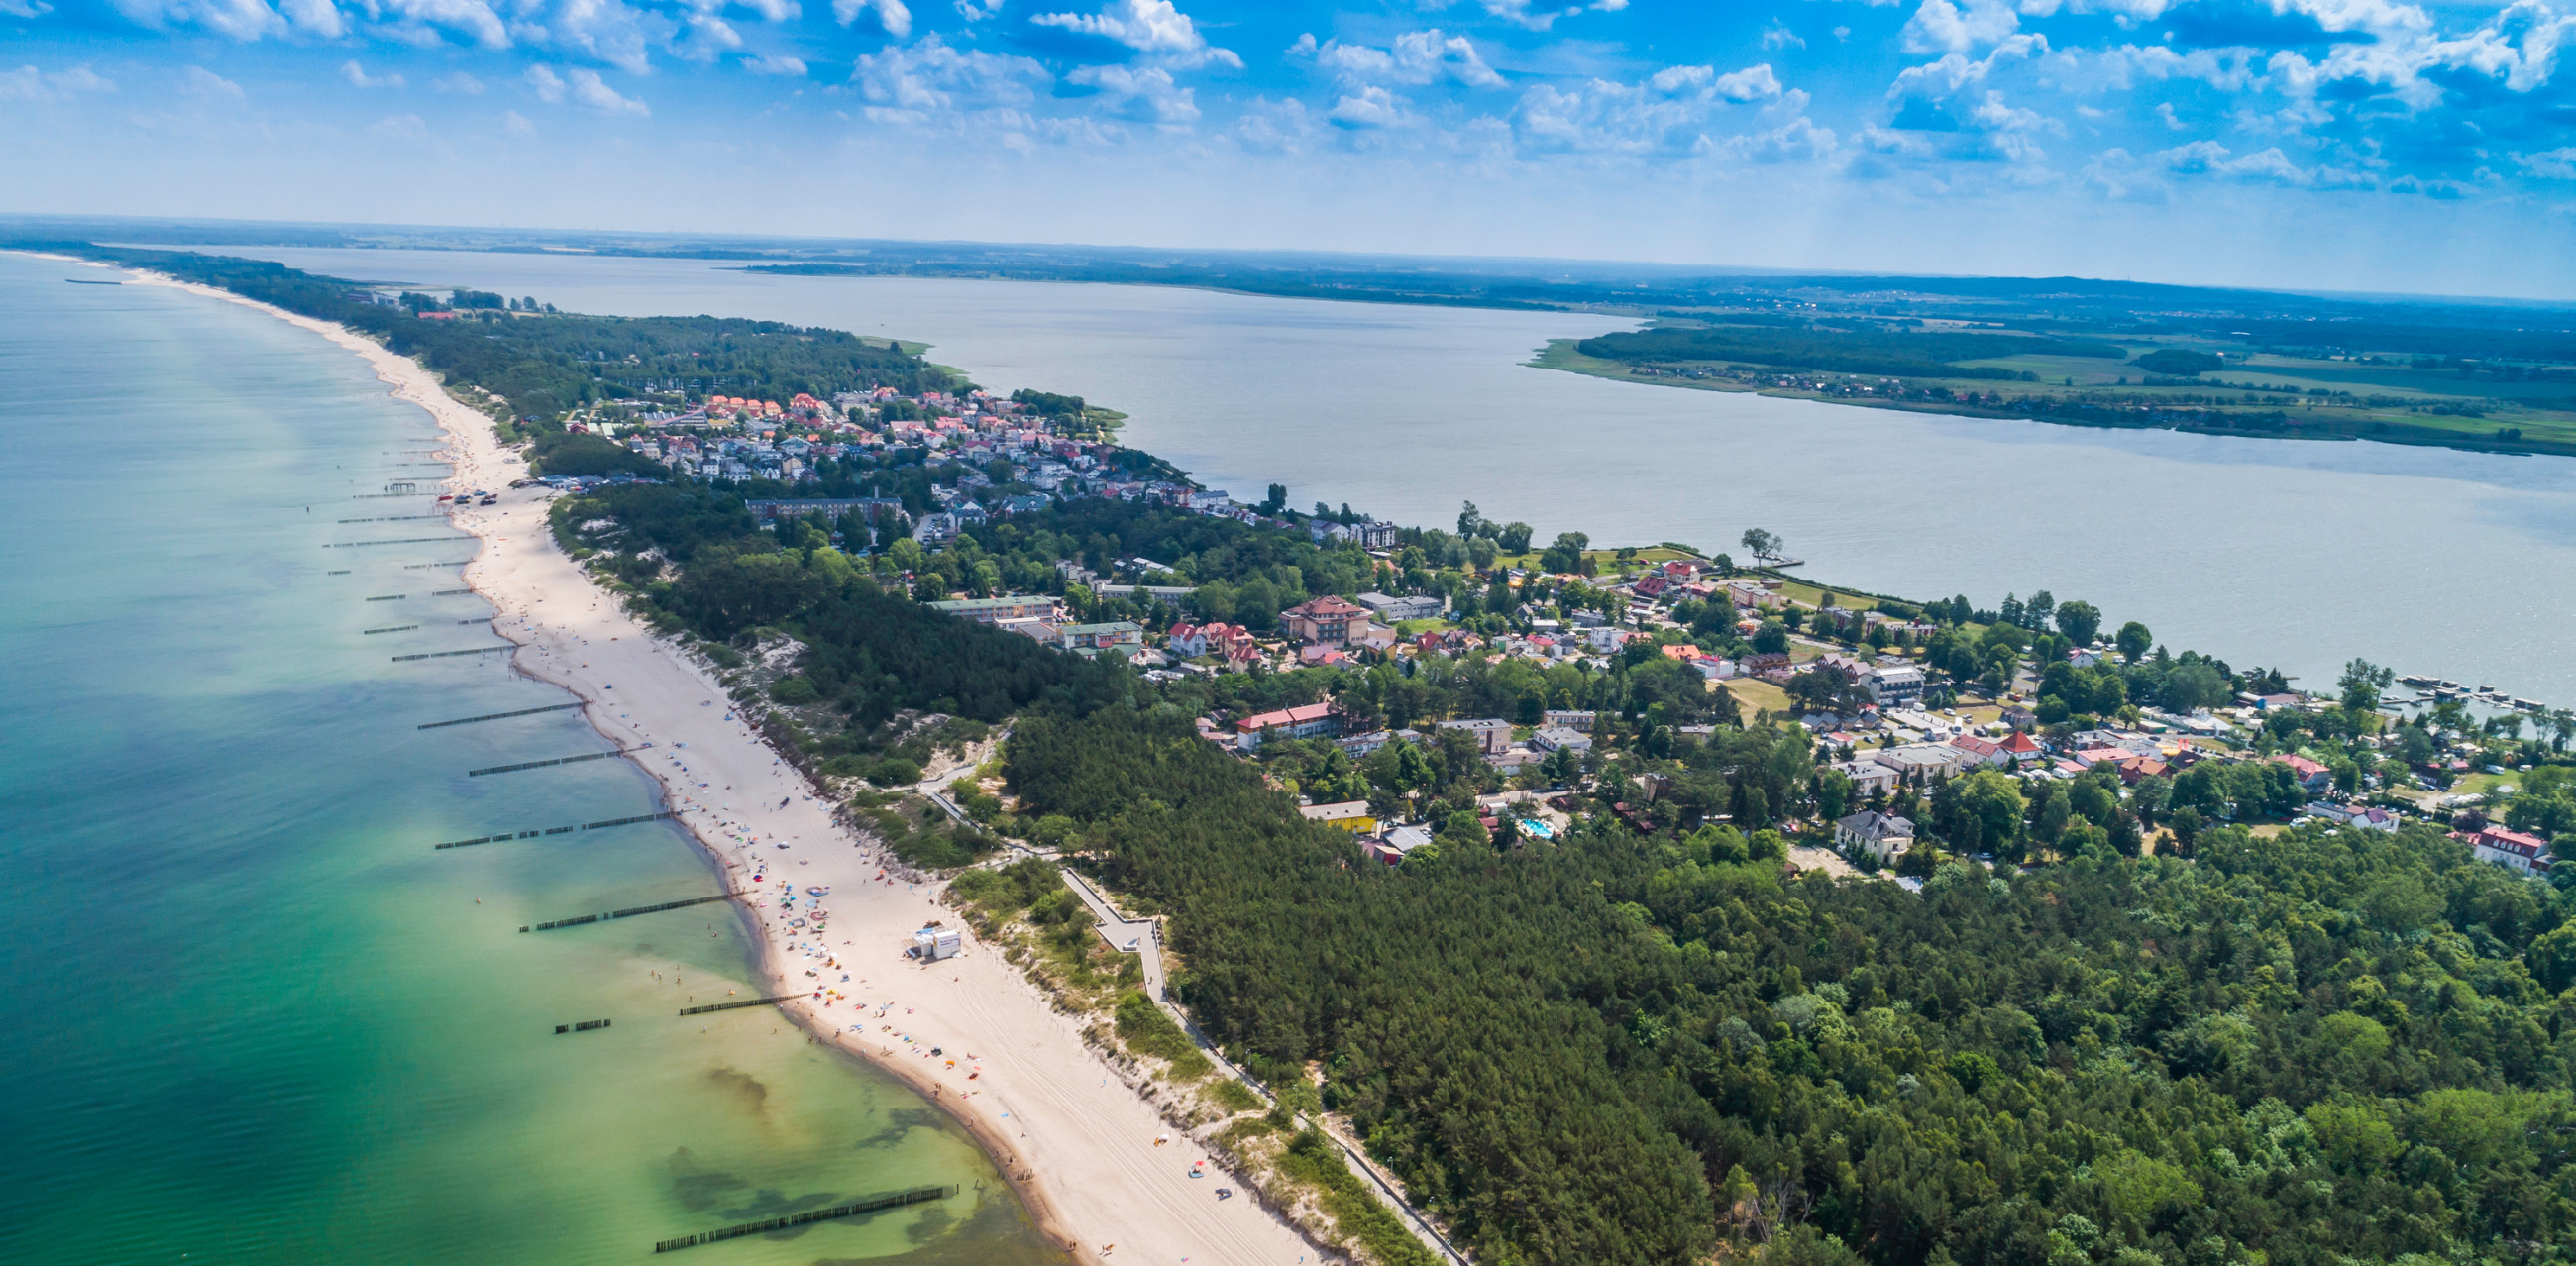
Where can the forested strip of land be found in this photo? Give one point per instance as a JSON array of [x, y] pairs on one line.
[[1898, 354], [2323, 1047]]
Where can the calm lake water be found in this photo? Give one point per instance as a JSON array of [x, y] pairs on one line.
[[2301, 554], [252, 1016]]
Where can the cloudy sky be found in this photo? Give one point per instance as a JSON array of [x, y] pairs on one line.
[[2315, 144]]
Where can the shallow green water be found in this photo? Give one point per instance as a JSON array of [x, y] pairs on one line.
[[251, 1015]]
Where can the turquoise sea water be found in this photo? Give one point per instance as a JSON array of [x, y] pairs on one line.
[[251, 1015]]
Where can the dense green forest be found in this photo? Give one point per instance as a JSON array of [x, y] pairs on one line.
[[1892, 352], [2325, 1047]]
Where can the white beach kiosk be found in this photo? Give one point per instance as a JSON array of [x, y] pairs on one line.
[[934, 942]]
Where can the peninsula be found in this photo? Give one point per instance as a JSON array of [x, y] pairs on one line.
[[1634, 903]]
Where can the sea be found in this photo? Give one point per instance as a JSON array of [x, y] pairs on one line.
[[2293, 554], [252, 1013]]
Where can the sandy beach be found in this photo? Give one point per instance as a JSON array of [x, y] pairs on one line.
[[971, 1033]]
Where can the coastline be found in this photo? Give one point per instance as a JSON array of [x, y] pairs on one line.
[[1559, 355], [1082, 1160]]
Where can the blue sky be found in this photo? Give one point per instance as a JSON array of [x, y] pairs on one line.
[[2317, 144]]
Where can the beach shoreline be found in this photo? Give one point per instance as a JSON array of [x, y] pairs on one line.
[[990, 1050]]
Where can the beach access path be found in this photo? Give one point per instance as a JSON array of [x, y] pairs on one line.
[[1077, 1141]]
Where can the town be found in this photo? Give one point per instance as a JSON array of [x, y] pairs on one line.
[[1367, 686]]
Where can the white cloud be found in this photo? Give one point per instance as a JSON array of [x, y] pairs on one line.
[[1955, 71], [410, 21], [1418, 57], [610, 31], [1277, 126], [1942, 27], [473, 20], [1527, 12], [234, 19], [315, 17], [1370, 107], [891, 15], [458, 82], [591, 90], [358, 77], [26, 83], [583, 86], [1665, 111], [784, 67], [25, 8], [928, 80], [199, 81], [771, 10], [1149, 91], [1753, 83], [400, 127], [2556, 164], [708, 37], [516, 124], [1798, 139], [1778, 35], [1152, 27]]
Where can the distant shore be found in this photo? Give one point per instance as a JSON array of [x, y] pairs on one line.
[[1560, 355], [1081, 1159]]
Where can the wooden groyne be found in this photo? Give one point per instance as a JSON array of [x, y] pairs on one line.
[[917, 1195], [561, 830], [408, 540], [739, 1003], [445, 654], [539, 764], [628, 913], [390, 628], [583, 1027], [496, 716]]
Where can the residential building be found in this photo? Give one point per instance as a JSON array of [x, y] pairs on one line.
[[1868, 775], [1567, 719], [1093, 637], [1986, 750], [1396, 610], [1925, 759], [1883, 835], [2314, 777], [1893, 685], [1353, 816], [1493, 735], [1356, 746], [1556, 738], [2526, 853], [1017, 606], [1302, 722], [1326, 621]]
